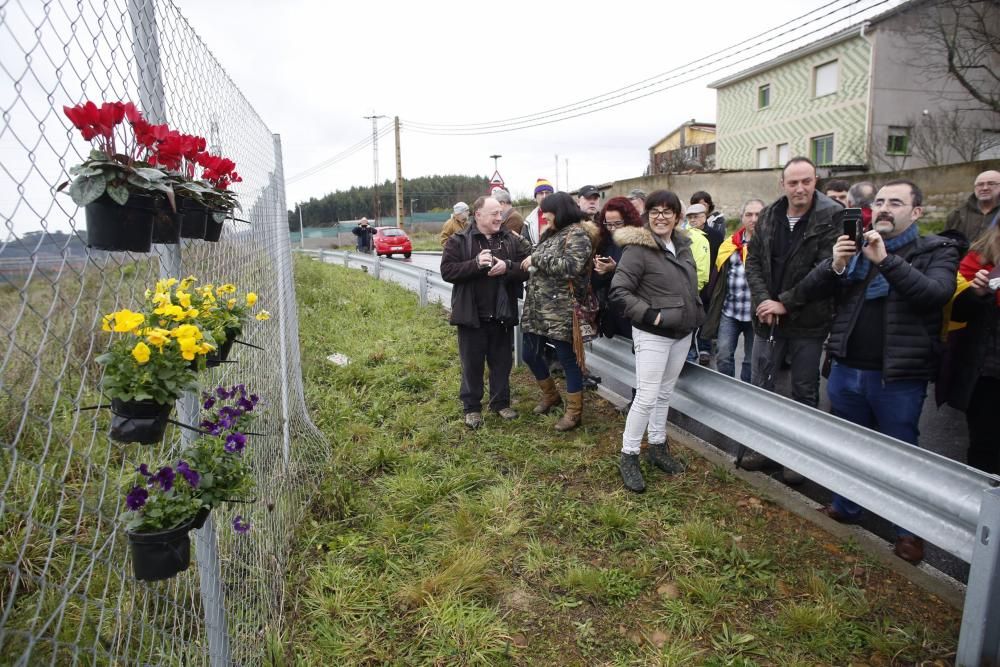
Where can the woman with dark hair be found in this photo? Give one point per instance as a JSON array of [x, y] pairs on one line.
[[618, 212], [973, 383], [560, 268], [656, 285]]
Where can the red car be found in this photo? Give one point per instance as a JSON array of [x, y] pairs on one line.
[[392, 240]]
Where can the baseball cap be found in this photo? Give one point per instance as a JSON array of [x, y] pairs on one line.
[[696, 208], [589, 191], [460, 207], [636, 193]]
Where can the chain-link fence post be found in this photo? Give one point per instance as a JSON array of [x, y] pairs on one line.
[[282, 258]]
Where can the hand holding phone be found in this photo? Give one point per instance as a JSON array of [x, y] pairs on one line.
[[853, 226]]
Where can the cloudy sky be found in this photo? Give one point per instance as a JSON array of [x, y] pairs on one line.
[[314, 69]]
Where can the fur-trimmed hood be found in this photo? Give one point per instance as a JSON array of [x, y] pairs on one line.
[[642, 236]]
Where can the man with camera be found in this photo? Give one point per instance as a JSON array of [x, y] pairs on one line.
[[483, 262], [889, 286]]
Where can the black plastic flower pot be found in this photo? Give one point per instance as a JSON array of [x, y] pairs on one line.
[[201, 517], [112, 226], [167, 226], [213, 227], [144, 422], [195, 218], [160, 555], [217, 357]]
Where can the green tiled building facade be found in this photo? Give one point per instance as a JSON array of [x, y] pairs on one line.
[[814, 105]]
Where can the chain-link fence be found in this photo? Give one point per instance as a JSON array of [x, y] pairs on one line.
[[67, 593]]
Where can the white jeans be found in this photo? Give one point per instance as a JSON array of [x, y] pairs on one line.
[[658, 362]]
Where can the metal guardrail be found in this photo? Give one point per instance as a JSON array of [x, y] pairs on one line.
[[948, 503]]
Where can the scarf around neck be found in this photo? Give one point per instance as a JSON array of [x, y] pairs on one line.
[[859, 267]]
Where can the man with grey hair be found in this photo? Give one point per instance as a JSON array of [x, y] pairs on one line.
[[638, 199], [512, 221], [980, 210], [861, 194]]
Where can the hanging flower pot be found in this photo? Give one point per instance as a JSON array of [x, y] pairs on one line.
[[167, 226], [144, 422], [213, 228], [121, 227], [195, 218], [200, 518], [222, 354], [160, 555]]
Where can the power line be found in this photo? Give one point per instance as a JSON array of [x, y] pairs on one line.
[[565, 112], [339, 157]]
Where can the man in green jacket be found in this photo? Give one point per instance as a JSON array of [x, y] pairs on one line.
[[980, 210]]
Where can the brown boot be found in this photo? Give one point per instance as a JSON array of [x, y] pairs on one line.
[[550, 396], [574, 412]]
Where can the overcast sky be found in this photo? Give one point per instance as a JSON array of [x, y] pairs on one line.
[[313, 69]]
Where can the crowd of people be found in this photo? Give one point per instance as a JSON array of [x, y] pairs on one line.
[[879, 309]]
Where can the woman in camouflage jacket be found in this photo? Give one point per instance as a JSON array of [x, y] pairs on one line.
[[564, 256]]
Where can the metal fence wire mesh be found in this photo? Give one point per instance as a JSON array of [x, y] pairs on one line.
[[67, 594]]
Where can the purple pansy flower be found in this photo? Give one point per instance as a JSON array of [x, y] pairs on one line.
[[235, 442], [241, 525], [190, 475], [144, 471], [221, 392], [209, 403], [164, 477], [136, 498], [245, 405], [254, 398]]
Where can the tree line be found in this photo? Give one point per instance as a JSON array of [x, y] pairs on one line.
[[428, 192]]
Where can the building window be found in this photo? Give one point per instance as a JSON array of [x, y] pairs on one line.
[[825, 79], [784, 154], [899, 141], [822, 149], [764, 96], [762, 161]]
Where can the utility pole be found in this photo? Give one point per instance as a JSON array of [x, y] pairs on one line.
[[399, 182], [557, 171], [374, 119], [567, 174]]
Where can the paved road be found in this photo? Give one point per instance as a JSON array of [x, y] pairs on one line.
[[941, 430]]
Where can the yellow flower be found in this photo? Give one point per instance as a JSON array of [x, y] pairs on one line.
[[124, 321], [158, 337], [176, 312], [231, 304], [183, 298], [191, 313], [165, 285], [161, 299], [187, 282], [186, 331], [263, 315], [141, 352], [207, 299], [205, 348], [251, 298], [189, 347]]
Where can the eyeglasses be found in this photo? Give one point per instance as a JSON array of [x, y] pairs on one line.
[[657, 213], [988, 184], [614, 225]]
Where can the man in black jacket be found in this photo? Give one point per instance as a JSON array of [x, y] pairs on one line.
[[364, 232], [483, 262], [792, 236], [886, 330]]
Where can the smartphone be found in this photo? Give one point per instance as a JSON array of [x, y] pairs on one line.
[[853, 225]]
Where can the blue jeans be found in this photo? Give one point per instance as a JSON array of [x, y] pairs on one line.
[[892, 408], [534, 356], [729, 334]]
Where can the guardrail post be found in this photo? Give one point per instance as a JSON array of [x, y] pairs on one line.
[[347, 259], [378, 268], [423, 288], [979, 640], [322, 256]]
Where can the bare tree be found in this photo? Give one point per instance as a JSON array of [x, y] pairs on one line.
[[962, 40], [942, 135]]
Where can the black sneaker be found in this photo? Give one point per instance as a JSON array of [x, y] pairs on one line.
[[631, 474]]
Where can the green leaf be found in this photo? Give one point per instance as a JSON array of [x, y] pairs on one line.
[[118, 192], [86, 189], [84, 170], [150, 174]]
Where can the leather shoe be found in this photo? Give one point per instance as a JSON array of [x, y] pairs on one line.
[[910, 548], [839, 517], [473, 420]]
